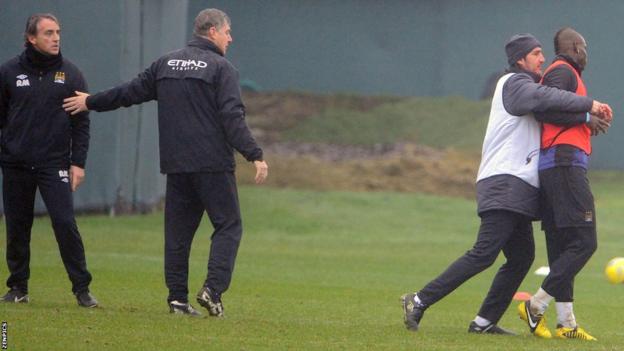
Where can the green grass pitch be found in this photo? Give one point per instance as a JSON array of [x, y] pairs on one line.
[[315, 271]]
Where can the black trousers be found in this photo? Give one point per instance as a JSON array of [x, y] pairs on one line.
[[188, 196], [569, 221], [500, 230], [19, 186]]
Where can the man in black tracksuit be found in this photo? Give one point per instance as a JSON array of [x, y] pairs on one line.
[[201, 119], [42, 147]]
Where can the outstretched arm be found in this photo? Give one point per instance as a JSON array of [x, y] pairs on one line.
[[139, 90], [562, 77], [521, 95]]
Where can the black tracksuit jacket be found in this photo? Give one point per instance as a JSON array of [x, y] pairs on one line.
[[201, 117], [36, 130]]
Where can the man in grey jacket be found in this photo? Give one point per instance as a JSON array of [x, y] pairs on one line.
[[508, 185]]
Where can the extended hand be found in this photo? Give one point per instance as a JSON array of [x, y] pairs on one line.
[[76, 104], [76, 176], [262, 171], [607, 111], [602, 110]]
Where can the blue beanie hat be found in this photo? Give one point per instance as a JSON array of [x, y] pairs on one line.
[[519, 46]]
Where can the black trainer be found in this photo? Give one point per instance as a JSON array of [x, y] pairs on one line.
[[85, 299], [15, 296], [211, 301], [488, 329], [183, 308], [412, 311]]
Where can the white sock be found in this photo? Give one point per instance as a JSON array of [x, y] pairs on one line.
[[565, 314], [482, 322], [540, 301], [417, 300]]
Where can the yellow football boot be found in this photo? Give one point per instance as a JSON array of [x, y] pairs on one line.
[[537, 323], [573, 333]]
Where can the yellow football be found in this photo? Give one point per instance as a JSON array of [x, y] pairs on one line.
[[615, 270]]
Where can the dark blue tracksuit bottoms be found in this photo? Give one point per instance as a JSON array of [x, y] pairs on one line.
[[19, 186], [188, 196], [500, 230]]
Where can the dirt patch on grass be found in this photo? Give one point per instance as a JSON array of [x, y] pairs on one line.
[[400, 166]]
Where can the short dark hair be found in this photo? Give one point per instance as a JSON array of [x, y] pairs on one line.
[[209, 18], [33, 21], [557, 40]]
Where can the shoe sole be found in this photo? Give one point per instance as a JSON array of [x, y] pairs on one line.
[[182, 313], [24, 299], [408, 324], [586, 336], [205, 304], [88, 306], [501, 331]]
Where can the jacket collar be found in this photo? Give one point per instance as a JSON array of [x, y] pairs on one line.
[[32, 59], [516, 69], [568, 59], [204, 44]]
